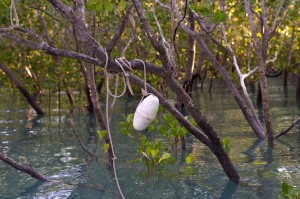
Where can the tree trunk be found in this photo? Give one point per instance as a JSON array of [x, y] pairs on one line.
[[258, 96], [289, 56], [23, 90], [261, 53], [191, 107], [298, 89], [187, 84]]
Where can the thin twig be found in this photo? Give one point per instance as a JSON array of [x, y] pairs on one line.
[[88, 151], [181, 20], [285, 131], [276, 54]]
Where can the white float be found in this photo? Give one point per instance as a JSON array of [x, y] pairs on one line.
[[145, 112]]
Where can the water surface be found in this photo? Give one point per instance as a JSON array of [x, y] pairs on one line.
[[48, 144]]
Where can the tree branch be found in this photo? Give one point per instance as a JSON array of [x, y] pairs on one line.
[[120, 31], [285, 131], [22, 167]]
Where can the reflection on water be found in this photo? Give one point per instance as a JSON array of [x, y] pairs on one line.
[[50, 146]]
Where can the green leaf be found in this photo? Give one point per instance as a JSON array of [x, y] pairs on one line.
[[143, 139], [162, 129], [123, 124], [227, 149], [165, 156], [189, 170], [174, 131], [160, 109], [102, 134], [171, 160], [168, 118], [193, 122], [148, 151], [129, 118], [138, 160], [151, 128], [204, 11], [93, 5], [286, 188], [108, 6], [154, 153], [106, 147], [188, 160], [122, 4], [157, 145], [226, 142], [124, 131], [220, 16], [99, 6]]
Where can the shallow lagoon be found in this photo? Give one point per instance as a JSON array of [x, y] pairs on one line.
[[49, 144]]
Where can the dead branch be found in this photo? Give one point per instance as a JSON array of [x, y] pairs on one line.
[[120, 31], [22, 167], [285, 131], [23, 90], [87, 150]]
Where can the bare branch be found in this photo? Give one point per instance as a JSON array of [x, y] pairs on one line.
[[276, 54], [120, 31], [285, 131], [277, 21], [24, 168], [162, 5], [242, 80], [48, 13], [88, 151], [13, 14]]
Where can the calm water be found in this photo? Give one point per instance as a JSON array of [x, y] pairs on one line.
[[49, 145]]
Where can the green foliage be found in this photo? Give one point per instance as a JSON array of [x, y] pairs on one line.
[[106, 5], [289, 192], [102, 134], [210, 12], [226, 144], [158, 152], [106, 147], [189, 159]]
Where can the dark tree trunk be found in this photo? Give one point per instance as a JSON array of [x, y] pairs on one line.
[[187, 84], [23, 90], [197, 71], [258, 96]]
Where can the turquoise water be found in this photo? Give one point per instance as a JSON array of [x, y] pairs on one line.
[[48, 144]]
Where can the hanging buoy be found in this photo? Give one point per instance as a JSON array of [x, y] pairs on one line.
[[145, 112]]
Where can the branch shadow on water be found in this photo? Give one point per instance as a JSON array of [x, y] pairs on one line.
[[229, 190]]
